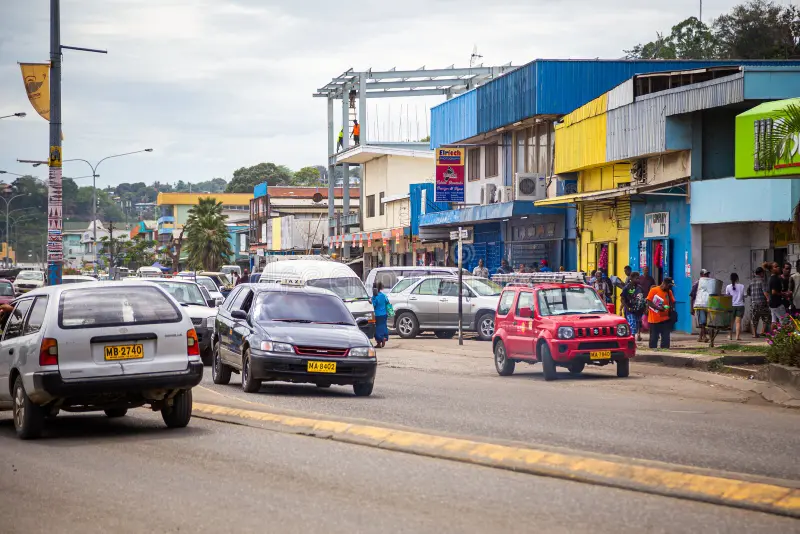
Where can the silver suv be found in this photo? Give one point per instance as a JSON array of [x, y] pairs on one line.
[[107, 346], [431, 303]]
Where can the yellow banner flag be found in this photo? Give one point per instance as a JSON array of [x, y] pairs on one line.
[[36, 77]]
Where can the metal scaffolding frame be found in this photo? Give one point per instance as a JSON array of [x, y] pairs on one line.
[[392, 83]]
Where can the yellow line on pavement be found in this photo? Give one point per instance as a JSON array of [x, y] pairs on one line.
[[719, 490]]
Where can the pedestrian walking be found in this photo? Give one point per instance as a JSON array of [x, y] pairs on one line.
[[634, 305], [759, 308], [736, 291], [380, 303], [786, 282], [480, 271], [660, 301], [777, 309], [646, 281], [602, 286], [701, 315], [628, 271], [794, 288], [356, 135]]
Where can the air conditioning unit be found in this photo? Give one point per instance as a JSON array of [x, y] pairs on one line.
[[530, 187], [505, 194], [488, 194]]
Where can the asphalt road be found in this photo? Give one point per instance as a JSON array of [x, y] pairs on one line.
[[651, 415], [92, 474]]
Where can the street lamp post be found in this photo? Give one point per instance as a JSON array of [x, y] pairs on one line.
[[8, 204], [21, 114], [94, 195]]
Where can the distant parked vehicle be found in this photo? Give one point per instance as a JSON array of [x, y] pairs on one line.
[[389, 276], [77, 279], [28, 281]]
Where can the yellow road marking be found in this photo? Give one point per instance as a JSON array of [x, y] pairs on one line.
[[719, 490]]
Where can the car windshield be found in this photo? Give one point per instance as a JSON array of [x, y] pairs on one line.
[[6, 289], [484, 288], [347, 288], [404, 284], [184, 293], [30, 275], [570, 301], [120, 305], [301, 307], [209, 284]]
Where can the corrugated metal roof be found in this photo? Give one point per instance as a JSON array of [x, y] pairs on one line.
[[621, 95], [454, 120], [639, 129]]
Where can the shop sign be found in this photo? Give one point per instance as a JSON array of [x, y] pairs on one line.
[[754, 128], [450, 171], [532, 232], [656, 224], [464, 234], [782, 233]]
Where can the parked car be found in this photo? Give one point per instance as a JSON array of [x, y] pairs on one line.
[[149, 272], [230, 269], [105, 346], [7, 292], [560, 325], [202, 311], [77, 279], [431, 303], [28, 281], [223, 281], [206, 282], [389, 276], [300, 334], [329, 275]]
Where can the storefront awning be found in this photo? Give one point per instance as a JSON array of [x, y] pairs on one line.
[[609, 194], [487, 213]]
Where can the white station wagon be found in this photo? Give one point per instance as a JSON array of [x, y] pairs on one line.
[[97, 346]]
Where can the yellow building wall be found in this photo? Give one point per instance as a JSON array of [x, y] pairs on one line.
[[604, 178], [581, 137], [190, 199], [276, 233]]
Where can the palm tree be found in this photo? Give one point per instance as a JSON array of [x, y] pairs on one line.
[[207, 236], [779, 143]]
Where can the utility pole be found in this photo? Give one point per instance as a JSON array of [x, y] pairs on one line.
[[460, 291], [55, 249], [701, 10], [110, 246]]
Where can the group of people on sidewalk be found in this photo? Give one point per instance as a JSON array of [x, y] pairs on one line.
[[643, 299]]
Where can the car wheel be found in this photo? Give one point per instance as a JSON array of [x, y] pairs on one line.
[[179, 414], [249, 384], [444, 334], [548, 365], [116, 412], [220, 373], [623, 368], [207, 356], [504, 365], [364, 389], [485, 324], [407, 325], [28, 416], [576, 368]]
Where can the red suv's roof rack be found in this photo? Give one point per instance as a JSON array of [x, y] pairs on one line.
[[529, 279]]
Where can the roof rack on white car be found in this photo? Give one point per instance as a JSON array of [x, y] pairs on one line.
[[529, 279]]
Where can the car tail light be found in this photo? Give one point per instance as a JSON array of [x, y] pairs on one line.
[[192, 345], [48, 352]]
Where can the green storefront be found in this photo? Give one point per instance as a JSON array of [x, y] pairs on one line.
[[754, 131]]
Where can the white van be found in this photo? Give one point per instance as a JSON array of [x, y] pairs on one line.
[[330, 275], [149, 272], [230, 269], [389, 276]]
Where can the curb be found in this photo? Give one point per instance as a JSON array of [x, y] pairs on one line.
[[763, 497]]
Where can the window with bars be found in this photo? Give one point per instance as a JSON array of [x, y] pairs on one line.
[[474, 164], [491, 162], [371, 206], [381, 205]]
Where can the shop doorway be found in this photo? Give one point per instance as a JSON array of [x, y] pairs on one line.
[[656, 255]]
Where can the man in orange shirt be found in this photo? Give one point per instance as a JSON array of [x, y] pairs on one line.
[[660, 302], [356, 135]]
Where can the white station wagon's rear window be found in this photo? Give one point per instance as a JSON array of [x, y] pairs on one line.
[[115, 306]]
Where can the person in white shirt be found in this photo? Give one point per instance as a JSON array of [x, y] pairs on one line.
[[736, 291], [480, 270]]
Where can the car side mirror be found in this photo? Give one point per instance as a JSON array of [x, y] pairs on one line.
[[526, 313], [362, 322], [239, 314]]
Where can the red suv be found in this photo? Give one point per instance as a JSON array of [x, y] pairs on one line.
[[558, 324]]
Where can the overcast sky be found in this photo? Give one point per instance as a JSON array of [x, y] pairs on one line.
[[214, 85]]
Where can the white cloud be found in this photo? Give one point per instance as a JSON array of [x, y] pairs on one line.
[[214, 85]]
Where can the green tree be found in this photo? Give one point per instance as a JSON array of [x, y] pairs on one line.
[[759, 29], [246, 178], [207, 236], [306, 176]]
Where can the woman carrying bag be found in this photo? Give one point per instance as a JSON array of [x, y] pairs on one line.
[[383, 309]]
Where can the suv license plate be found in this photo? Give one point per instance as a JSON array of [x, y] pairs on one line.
[[321, 367], [600, 355], [124, 352]]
